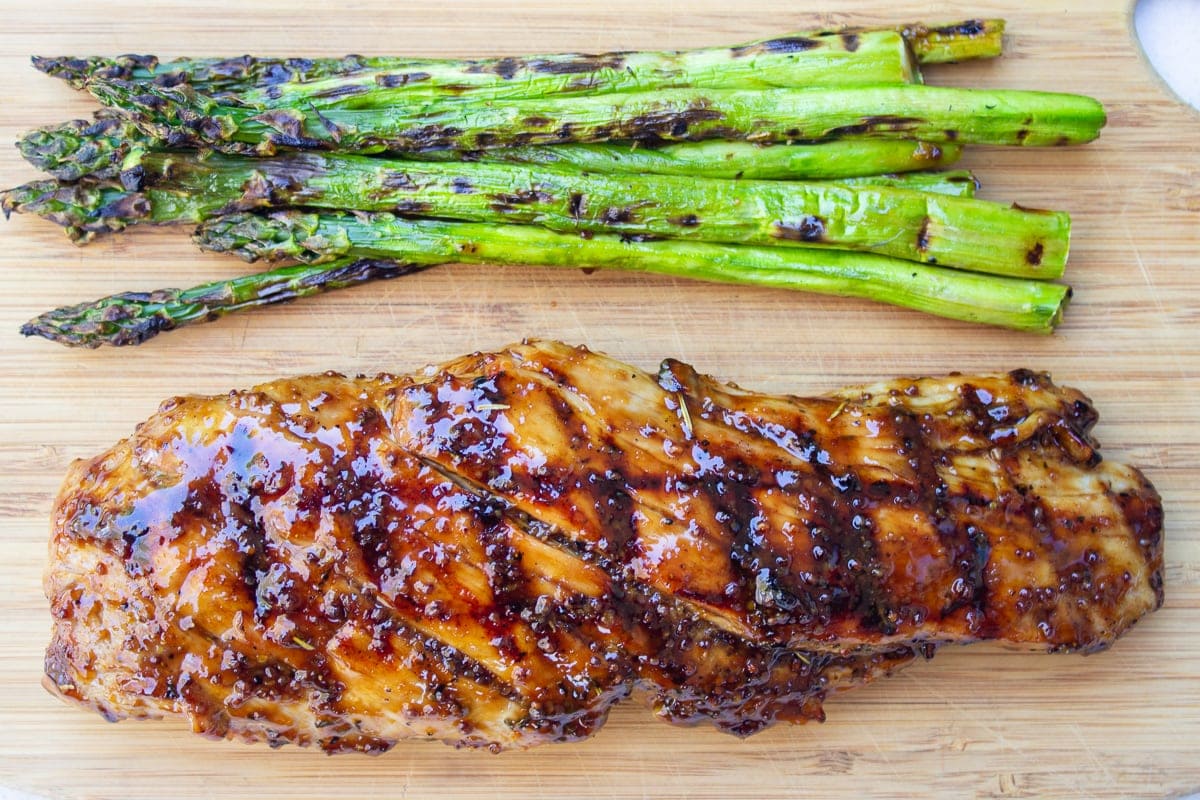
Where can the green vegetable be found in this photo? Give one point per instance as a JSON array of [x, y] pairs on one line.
[[903, 223], [797, 61], [102, 148], [929, 44], [131, 318], [181, 117], [959, 41], [1016, 303]]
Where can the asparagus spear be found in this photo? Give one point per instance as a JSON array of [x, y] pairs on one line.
[[102, 148], [131, 318], [216, 76], [930, 44], [88, 208], [800, 61], [837, 159], [180, 116], [913, 225], [311, 238], [826, 58]]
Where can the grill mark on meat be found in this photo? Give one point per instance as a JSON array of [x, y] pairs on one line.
[[1008, 426], [864, 593], [446, 661], [508, 608], [525, 519], [680, 702], [606, 479], [777, 695], [866, 590], [373, 542]]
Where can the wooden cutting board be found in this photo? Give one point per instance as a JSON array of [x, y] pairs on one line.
[[976, 721]]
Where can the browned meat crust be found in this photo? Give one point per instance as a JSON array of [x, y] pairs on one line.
[[495, 551]]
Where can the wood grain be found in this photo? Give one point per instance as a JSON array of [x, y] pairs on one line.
[[975, 722]]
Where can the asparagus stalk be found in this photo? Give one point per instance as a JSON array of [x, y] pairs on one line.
[[89, 208], [826, 58], [216, 76], [798, 61], [104, 147], [912, 225], [180, 116], [833, 160], [131, 318], [930, 44], [1017, 303]]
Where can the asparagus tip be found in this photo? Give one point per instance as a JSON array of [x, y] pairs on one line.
[[120, 320], [292, 235], [78, 71], [82, 209], [82, 148], [177, 114]]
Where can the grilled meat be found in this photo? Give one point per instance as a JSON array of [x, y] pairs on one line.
[[495, 551]]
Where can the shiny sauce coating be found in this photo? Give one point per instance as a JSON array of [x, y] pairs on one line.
[[494, 552]]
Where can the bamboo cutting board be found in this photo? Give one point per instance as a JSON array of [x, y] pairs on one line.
[[978, 721]]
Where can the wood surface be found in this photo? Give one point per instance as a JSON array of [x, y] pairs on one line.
[[977, 721]]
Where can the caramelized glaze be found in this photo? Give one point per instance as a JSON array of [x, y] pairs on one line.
[[494, 552]]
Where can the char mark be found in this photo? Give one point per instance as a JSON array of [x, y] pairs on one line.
[[288, 123], [522, 197], [484, 139], [1030, 379], [399, 180], [878, 122], [971, 27], [1033, 257], [786, 44], [923, 235], [281, 182], [504, 67], [806, 229], [667, 123], [432, 137], [575, 63], [127, 206], [412, 207], [334, 92], [618, 216], [401, 79], [850, 41], [685, 220]]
